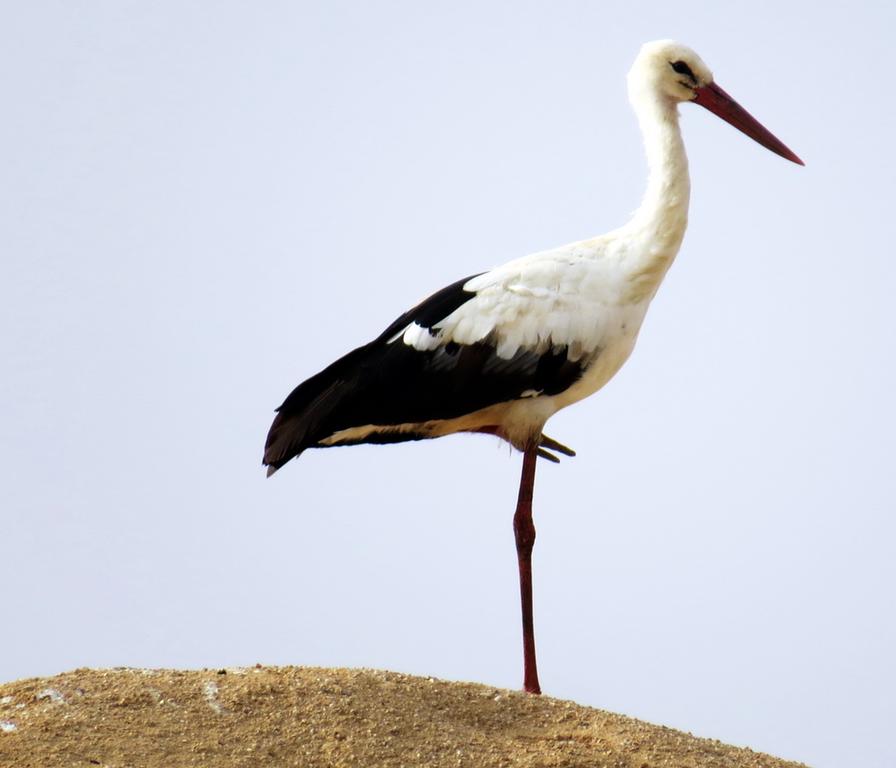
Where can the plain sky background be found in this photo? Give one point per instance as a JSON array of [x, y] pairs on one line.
[[203, 203]]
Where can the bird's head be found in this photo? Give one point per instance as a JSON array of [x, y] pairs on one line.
[[669, 70], [669, 73]]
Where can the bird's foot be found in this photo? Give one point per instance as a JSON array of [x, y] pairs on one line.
[[546, 443]]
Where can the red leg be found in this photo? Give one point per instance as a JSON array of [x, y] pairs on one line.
[[524, 530]]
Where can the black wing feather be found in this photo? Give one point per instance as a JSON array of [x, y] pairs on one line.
[[391, 383]]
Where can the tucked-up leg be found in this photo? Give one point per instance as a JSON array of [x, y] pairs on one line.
[[546, 443]]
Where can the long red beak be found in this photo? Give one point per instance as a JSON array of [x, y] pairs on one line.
[[720, 103]]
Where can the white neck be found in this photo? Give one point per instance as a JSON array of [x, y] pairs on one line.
[[657, 227]]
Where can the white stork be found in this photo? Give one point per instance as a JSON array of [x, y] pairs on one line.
[[502, 351]]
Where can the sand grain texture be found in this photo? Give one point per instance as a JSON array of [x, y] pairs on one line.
[[293, 716]]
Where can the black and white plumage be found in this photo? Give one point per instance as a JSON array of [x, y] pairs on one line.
[[391, 391], [502, 351]]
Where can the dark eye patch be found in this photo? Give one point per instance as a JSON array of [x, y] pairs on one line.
[[683, 69]]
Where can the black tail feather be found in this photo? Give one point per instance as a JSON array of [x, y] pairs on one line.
[[298, 422]]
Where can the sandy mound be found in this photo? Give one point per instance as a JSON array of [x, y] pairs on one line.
[[288, 716]]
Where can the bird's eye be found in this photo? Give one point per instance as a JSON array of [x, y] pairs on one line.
[[682, 69]]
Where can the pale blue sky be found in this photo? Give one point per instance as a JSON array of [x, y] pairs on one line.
[[201, 204]]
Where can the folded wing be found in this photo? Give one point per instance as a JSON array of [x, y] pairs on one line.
[[412, 373]]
